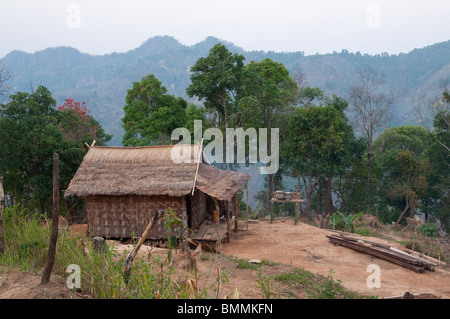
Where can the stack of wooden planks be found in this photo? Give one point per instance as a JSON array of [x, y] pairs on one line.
[[384, 251]]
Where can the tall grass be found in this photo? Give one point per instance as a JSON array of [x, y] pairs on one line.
[[26, 249]]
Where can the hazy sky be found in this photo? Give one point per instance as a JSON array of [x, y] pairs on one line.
[[323, 26]]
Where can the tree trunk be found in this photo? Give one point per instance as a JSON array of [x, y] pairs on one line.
[[320, 196], [369, 176], [403, 213], [329, 195], [55, 219], [268, 206], [309, 189]]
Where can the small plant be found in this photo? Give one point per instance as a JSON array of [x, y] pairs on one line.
[[268, 263], [329, 289], [265, 284], [428, 229], [245, 264], [296, 278], [364, 232], [347, 220]]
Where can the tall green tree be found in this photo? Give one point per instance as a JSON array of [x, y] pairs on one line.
[[319, 145], [269, 94], [217, 79], [31, 130], [438, 201], [151, 114], [404, 168]]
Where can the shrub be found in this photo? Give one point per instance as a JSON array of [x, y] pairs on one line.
[[428, 229]]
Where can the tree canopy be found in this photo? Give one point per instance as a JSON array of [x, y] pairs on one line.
[[31, 130]]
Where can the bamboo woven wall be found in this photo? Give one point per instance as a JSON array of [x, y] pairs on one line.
[[127, 216], [198, 208]]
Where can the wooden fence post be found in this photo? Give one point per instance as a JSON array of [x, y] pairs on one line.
[[2, 241], [55, 218]]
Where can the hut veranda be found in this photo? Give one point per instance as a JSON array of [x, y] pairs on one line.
[[122, 187]]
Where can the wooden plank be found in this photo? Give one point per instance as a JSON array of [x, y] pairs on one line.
[[426, 263], [375, 251], [210, 232], [375, 243], [200, 232], [398, 253]]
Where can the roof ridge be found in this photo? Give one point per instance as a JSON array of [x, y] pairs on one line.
[[140, 147]]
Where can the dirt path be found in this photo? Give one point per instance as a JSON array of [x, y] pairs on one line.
[[307, 247], [300, 245]]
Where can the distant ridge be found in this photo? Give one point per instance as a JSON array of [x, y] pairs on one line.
[[102, 80]]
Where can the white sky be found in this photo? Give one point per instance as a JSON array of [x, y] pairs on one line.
[[312, 26]]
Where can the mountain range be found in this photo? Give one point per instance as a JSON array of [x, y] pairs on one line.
[[102, 81]]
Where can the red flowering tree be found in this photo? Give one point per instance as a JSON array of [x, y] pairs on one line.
[[78, 125]]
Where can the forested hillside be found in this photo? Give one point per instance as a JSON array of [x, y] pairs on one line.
[[102, 81]]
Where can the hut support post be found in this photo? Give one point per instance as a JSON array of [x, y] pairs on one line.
[[227, 218], [55, 218], [216, 202], [236, 212]]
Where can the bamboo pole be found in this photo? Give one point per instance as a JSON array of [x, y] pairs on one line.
[[158, 214], [198, 163], [55, 219]]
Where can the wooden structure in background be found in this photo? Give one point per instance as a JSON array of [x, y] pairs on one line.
[[289, 197]]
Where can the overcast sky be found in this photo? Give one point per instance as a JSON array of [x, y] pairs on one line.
[[312, 26]]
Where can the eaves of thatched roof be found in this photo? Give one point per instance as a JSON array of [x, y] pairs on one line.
[[151, 170]]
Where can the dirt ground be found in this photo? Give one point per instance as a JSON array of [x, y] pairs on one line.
[[289, 246], [307, 247]]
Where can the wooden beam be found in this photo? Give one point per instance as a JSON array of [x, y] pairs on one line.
[[375, 251]]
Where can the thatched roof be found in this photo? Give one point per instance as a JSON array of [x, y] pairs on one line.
[[2, 195], [149, 171]]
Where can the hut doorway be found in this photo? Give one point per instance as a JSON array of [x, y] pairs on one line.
[[189, 211]]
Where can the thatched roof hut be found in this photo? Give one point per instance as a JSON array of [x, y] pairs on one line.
[[138, 180]]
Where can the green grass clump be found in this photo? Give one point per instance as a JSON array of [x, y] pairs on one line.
[[101, 274]]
